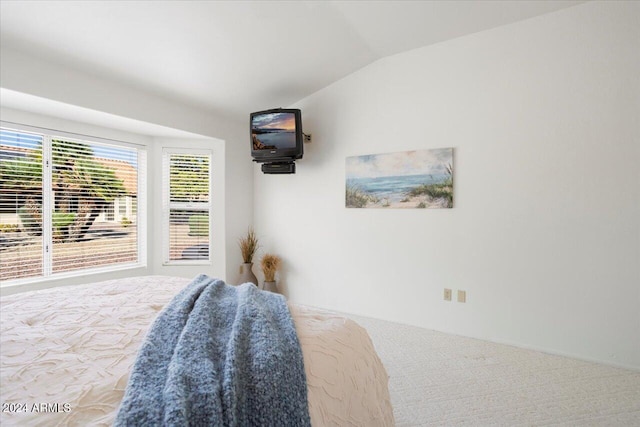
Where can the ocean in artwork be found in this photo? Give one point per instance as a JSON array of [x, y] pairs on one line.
[[409, 179]]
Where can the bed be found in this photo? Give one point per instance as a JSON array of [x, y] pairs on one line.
[[66, 354]]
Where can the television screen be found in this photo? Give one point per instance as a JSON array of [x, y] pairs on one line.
[[276, 135], [274, 131]]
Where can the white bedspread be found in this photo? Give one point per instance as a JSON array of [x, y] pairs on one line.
[[66, 353]]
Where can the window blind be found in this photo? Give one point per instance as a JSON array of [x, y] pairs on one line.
[[89, 179], [187, 206], [80, 210], [21, 188]]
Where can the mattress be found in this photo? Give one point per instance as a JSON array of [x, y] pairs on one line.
[[66, 354]]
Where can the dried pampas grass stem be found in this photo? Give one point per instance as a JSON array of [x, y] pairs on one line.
[[270, 264], [248, 245]]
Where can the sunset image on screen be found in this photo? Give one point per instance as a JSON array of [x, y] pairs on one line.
[[273, 131], [285, 122]]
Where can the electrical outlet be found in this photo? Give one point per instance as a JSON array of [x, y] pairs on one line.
[[447, 294], [462, 296]]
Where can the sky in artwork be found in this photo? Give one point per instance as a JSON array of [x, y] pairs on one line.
[[419, 162]]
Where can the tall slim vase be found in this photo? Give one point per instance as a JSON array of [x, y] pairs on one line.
[[246, 275]]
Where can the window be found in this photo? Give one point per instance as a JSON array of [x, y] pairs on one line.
[[186, 206], [57, 195], [21, 186]]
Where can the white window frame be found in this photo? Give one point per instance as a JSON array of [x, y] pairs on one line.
[[47, 232], [167, 205]]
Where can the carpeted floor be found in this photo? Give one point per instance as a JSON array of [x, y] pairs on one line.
[[437, 379]]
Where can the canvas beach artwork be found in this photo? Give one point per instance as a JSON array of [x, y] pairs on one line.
[[407, 179]]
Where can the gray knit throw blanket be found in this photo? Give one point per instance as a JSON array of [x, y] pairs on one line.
[[218, 355]]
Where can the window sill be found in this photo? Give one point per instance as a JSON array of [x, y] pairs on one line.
[[71, 274]]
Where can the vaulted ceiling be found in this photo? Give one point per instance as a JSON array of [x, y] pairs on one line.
[[241, 56]]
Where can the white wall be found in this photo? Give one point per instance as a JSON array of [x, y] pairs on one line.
[[35, 76], [545, 233]]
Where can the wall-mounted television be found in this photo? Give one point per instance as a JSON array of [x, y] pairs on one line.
[[276, 135]]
